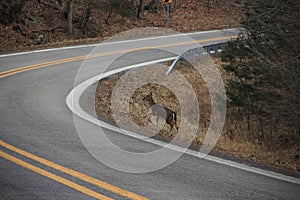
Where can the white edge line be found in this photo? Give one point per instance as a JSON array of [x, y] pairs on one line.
[[117, 42], [73, 104]]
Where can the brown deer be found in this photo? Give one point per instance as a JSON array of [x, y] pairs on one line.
[[162, 112]]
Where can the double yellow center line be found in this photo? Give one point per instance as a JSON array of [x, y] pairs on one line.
[[11, 72], [65, 170]]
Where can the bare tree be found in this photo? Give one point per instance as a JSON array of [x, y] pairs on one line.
[[124, 8], [153, 6], [265, 63], [10, 10], [134, 10], [69, 12], [86, 15], [140, 14]]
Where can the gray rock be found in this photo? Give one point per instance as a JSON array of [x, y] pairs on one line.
[[40, 39]]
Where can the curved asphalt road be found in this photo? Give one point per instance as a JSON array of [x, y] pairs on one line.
[[56, 165]]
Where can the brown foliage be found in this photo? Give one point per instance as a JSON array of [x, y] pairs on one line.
[[191, 15]]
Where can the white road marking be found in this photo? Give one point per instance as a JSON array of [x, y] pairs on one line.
[[72, 102], [117, 42]]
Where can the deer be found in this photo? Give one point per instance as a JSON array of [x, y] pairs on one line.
[[161, 112]]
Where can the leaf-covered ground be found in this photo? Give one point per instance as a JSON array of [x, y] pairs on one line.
[[280, 152], [46, 18]]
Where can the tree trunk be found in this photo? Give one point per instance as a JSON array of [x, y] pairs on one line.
[[175, 4], [86, 16], [134, 10], [153, 6], [141, 9], [210, 4], [70, 15]]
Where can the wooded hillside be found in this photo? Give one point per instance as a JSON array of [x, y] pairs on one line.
[[27, 24]]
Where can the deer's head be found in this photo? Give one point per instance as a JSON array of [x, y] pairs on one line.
[[149, 99]]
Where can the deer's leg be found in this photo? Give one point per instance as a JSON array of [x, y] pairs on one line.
[[172, 124], [149, 114], [162, 129], [171, 127], [174, 120]]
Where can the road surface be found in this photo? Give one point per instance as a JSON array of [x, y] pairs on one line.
[[42, 156]]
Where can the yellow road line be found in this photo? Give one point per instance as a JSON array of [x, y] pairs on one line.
[[37, 66], [74, 173], [11, 72], [71, 172], [54, 177]]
